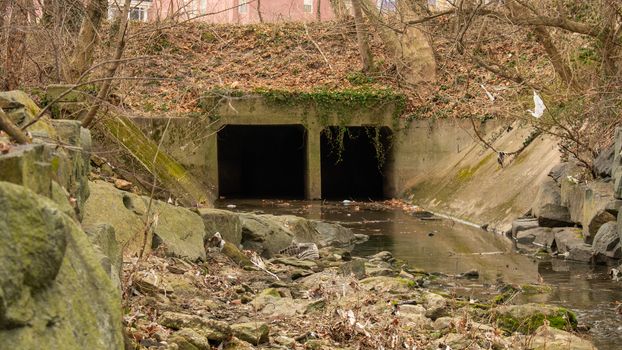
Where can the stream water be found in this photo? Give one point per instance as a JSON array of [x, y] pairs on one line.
[[451, 248]]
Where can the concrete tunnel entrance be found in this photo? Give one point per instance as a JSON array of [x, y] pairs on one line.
[[262, 161], [354, 166], [288, 162]]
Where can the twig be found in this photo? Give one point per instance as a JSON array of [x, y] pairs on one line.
[[13, 131], [153, 187], [317, 46]]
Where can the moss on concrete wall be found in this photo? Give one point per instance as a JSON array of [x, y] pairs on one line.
[[166, 169]]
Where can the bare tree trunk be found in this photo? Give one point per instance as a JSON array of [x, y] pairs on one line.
[[559, 63], [82, 56], [112, 68], [15, 43], [362, 37], [259, 11], [318, 11], [544, 38]]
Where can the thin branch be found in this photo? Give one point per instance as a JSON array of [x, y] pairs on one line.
[[13, 131], [558, 22], [317, 46]]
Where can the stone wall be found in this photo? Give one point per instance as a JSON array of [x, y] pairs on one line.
[[55, 289], [578, 217]]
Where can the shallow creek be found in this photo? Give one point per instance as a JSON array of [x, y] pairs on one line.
[[451, 248]]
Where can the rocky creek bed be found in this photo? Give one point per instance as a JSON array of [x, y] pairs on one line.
[[446, 248], [87, 262], [335, 302]]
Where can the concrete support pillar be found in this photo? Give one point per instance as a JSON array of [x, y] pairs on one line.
[[313, 178], [211, 159]]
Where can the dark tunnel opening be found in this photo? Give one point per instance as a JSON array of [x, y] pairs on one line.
[[358, 170], [262, 161]]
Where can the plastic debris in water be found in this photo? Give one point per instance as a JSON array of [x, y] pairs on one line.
[[231, 206]]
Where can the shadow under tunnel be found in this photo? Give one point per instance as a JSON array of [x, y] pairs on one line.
[[354, 160], [262, 161]]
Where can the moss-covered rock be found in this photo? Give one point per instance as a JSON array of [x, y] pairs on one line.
[[223, 221], [264, 234], [392, 284], [55, 295], [111, 257], [60, 196], [236, 255], [179, 229], [237, 344], [253, 332], [21, 110], [189, 339], [25, 165], [527, 318], [62, 153], [75, 158], [211, 329], [34, 240]]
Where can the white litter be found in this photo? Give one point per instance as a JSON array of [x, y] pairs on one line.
[[539, 106]]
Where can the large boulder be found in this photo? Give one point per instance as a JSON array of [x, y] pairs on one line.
[[603, 163], [226, 222], [110, 254], [572, 197], [269, 234], [20, 164], [54, 293], [74, 175], [34, 238], [331, 234], [568, 242], [21, 110], [68, 164], [302, 230], [537, 236], [253, 332], [606, 245], [179, 229], [563, 170], [543, 237], [548, 194], [265, 234], [553, 215], [523, 224], [592, 226], [598, 196]]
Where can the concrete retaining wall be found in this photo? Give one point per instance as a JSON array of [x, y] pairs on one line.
[[438, 164]]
